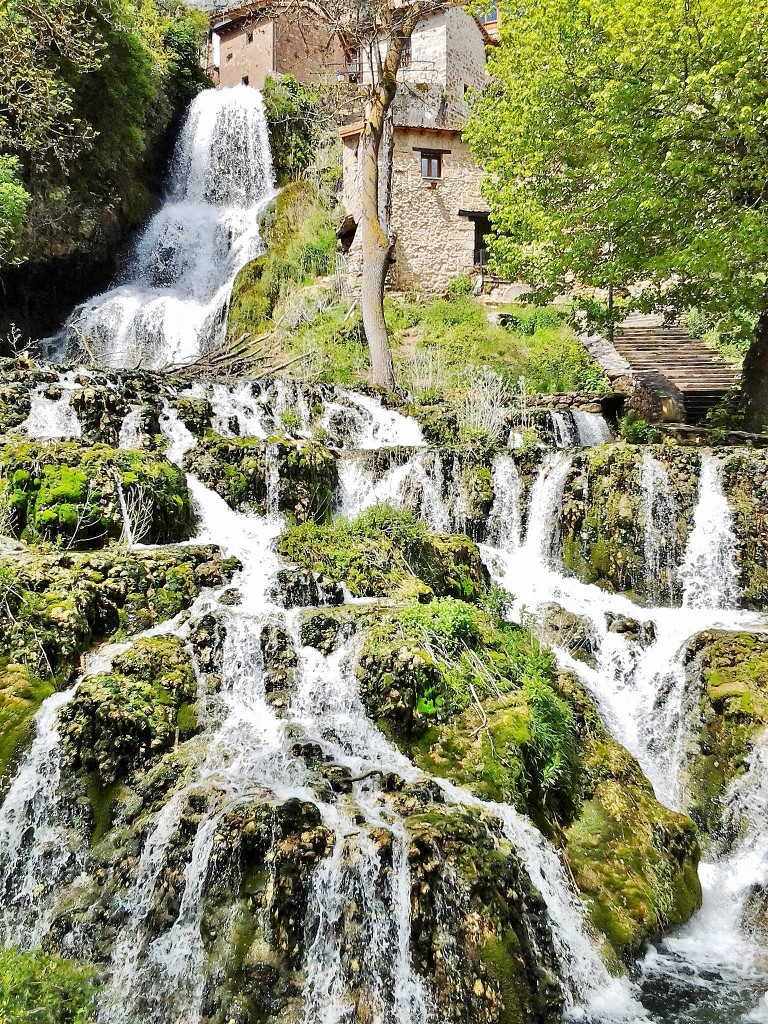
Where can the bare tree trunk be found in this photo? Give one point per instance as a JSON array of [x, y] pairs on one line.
[[377, 249], [754, 378]]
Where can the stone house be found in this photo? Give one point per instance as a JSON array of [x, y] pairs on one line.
[[436, 209], [245, 46]]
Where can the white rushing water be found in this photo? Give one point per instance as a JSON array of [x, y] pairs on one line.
[[709, 572], [171, 301], [661, 517], [53, 417], [168, 307]]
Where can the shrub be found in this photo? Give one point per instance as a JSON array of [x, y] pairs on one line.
[[38, 988], [461, 285], [636, 430]]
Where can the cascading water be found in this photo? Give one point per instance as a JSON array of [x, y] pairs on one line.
[[661, 514], [591, 428], [709, 572], [171, 302], [53, 417]]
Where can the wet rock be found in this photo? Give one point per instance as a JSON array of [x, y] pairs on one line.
[[573, 633], [298, 588], [280, 662]]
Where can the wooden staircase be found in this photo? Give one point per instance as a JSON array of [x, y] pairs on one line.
[[699, 374]]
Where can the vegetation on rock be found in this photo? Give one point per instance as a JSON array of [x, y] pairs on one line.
[[39, 988], [68, 492], [122, 719], [387, 552], [237, 468]]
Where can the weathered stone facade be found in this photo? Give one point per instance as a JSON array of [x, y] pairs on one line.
[[438, 219], [246, 49]]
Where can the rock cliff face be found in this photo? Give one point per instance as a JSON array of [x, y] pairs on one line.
[[331, 761]]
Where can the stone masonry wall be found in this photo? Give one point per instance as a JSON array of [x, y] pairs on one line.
[[241, 59], [306, 48], [434, 244]]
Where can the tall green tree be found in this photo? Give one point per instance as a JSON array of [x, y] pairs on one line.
[[87, 88], [627, 142]]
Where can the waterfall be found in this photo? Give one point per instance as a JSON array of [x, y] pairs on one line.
[[130, 430], [709, 572], [566, 435], [171, 300], [543, 531], [380, 427], [660, 514], [591, 428], [504, 519], [53, 417]]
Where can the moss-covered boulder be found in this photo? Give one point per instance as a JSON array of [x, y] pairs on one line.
[[483, 704], [21, 694], [79, 495], [293, 475], [605, 516], [388, 552], [123, 719], [730, 673], [474, 903], [54, 606]]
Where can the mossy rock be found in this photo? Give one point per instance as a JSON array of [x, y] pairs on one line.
[[121, 720], [604, 515], [68, 492], [636, 863], [732, 672], [500, 720], [467, 880], [237, 468], [388, 552], [55, 605], [745, 482], [21, 694]]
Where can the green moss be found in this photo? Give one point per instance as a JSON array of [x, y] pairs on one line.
[[299, 232], [67, 492], [635, 861], [21, 694], [118, 721], [733, 668], [388, 552], [236, 468]]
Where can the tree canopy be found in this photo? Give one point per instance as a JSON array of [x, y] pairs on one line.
[[627, 142], [86, 87]]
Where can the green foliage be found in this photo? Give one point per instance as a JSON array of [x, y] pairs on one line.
[[40, 988], [300, 236], [387, 551], [556, 361], [529, 319], [461, 285], [611, 123], [636, 430], [292, 110], [86, 88], [14, 200]]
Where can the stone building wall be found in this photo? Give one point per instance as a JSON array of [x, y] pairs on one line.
[[434, 244], [240, 59], [306, 48], [294, 42]]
